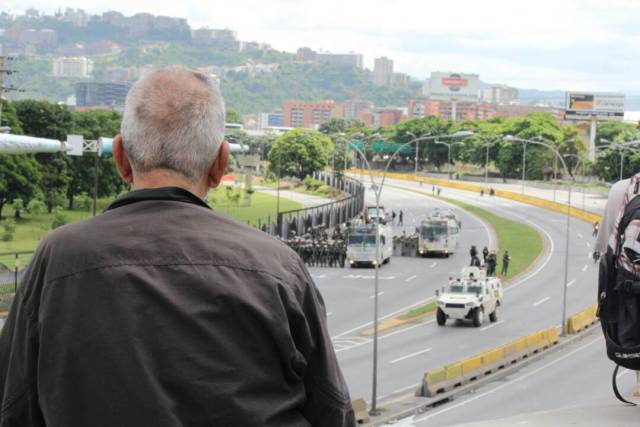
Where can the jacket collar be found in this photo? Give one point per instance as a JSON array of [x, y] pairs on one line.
[[175, 194]]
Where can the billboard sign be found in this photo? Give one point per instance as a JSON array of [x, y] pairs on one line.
[[454, 86], [588, 105]]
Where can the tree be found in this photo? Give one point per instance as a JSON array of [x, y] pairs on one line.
[[437, 154], [299, 152], [338, 125], [18, 206], [55, 179], [232, 116], [19, 178], [9, 117], [43, 119]]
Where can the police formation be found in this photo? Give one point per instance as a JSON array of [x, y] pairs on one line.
[[320, 247]]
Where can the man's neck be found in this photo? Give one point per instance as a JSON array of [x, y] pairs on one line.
[[165, 178]]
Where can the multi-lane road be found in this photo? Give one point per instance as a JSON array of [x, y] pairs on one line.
[[532, 302]]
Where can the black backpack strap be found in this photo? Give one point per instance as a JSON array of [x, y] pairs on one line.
[[615, 388]]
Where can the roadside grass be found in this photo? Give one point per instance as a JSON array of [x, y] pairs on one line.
[[523, 242]]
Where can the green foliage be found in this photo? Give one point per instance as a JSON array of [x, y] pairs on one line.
[[299, 153], [19, 178], [18, 206], [607, 164], [36, 207], [232, 116], [9, 227], [337, 125], [59, 218], [84, 202], [312, 184], [43, 119], [10, 117]]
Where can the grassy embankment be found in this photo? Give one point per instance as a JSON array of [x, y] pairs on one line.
[[523, 242]]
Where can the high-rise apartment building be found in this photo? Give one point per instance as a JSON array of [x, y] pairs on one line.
[[304, 114], [76, 67], [382, 72], [418, 108]]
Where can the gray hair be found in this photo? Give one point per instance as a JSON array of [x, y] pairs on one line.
[[173, 119]]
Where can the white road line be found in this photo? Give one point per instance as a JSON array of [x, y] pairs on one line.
[[585, 267], [409, 387], [508, 383], [373, 296], [588, 244], [329, 313], [543, 300], [580, 235], [433, 265], [571, 283], [410, 278], [399, 359], [492, 325]]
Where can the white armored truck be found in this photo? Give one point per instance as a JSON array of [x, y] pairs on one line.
[[438, 234], [473, 296], [361, 246]]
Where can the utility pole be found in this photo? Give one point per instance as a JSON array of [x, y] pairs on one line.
[[10, 88]]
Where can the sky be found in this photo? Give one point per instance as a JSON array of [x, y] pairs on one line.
[[541, 44]]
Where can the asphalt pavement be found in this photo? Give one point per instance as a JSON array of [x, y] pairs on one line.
[[532, 302]]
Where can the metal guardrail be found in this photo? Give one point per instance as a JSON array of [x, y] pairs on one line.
[[10, 278], [326, 215]]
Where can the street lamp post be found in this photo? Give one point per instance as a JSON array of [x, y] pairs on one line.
[[510, 138], [575, 168], [378, 191], [630, 146], [449, 144]]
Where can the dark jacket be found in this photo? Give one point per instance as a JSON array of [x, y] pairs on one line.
[[161, 312]]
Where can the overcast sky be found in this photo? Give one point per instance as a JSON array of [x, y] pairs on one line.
[[543, 44]]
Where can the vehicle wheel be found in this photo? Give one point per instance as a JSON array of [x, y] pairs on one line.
[[478, 317], [441, 318], [494, 316], [387, 261]]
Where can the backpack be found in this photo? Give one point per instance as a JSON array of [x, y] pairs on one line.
[[619, 287]]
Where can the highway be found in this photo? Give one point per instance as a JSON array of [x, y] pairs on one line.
[[531, 303]]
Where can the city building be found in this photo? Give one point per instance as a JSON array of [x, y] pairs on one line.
[[102, 94], [221, 38], [418, 108], [500, 94], [400, 79], [270, 120], [382, 117], [354, 107], [382, 72], [353, 60], [304, 114], [75, 67]]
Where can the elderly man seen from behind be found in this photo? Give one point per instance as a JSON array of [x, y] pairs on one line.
[[161, 312]]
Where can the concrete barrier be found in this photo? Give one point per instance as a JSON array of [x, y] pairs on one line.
[[535, 201], [582, 319], [456, 374], [360, 409]]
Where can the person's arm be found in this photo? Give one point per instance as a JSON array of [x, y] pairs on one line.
[[328, 402], [19, 358]]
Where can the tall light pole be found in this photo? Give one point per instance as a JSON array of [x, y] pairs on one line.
[[620, 147], [488, 143], [575, 168], [378, 191], [510, 138], [449, 144]]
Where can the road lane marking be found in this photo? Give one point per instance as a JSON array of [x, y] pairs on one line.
[[373, 296], [508, 383], [585, 267], [411, 278], [492, 325], [542, 301], [319, 276], [433, 265], [329, 313], [571, 283], [580, 235], [588, 244], [417, 353], [367, 277]]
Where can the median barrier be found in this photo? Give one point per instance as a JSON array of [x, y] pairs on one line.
[[360, 410], [535, 201], [582, 319], [456, 374]]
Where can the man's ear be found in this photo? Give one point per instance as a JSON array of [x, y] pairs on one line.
[[122, 161], [219, 165]]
